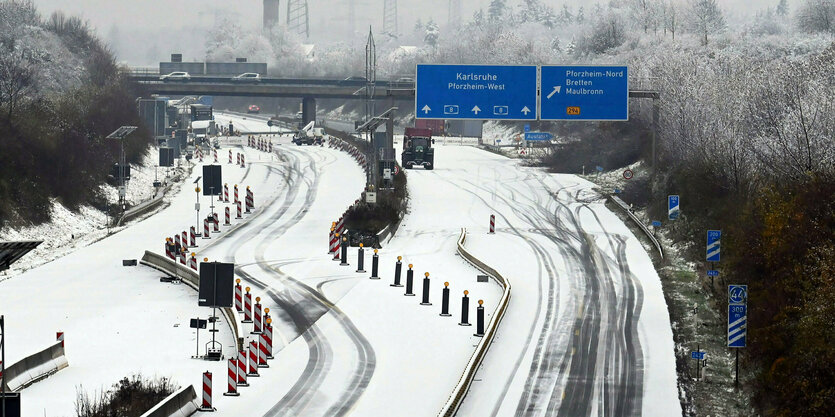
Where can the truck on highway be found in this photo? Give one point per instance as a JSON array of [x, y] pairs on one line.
[[417, 149], [309, 135]]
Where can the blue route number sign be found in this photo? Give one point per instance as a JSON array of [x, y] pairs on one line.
[[737, 315], [714, 238], [673, 207]]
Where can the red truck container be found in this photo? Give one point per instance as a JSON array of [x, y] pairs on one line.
[[437, 125]]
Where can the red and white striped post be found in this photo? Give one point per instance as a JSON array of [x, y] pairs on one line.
[[207, 392], [262, 352], [337, 247], [232, 379], [185, 239], [271, 146], [193, 238], [193, 261], [59, 337], [216, 222], [236, 193], [230, 156], [239, 296], [340, 225], [256, 312], [247, 307], [249, 203], [253, 359], [332, 241], [240, 213], [239, 158], [206, 228], [243, 161], [183, 256], [242, 369], [168, 247], [177, 244], [225, 193], [228, 217], [492, 224], [215, 155], [268, 337]]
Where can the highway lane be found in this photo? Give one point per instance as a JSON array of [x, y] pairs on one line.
[[297, 306]]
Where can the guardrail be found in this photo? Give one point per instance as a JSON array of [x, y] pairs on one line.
[[192, 279], [466, 379], [178, 404], [643, 227], [35, 367]]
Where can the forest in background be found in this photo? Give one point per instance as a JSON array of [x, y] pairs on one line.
[[61, 93]]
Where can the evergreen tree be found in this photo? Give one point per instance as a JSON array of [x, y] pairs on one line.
[[496, 10], [783, 8]]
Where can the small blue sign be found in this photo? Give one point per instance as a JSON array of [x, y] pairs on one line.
[[656, 223], [617, 190], [599, 168], [713, 245], [584, 93], [712, 273], [538, 136], [527, 128], [672, 207], [697, 355], [477, 92]]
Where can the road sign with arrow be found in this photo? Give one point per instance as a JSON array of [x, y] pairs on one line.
[[584, 93]]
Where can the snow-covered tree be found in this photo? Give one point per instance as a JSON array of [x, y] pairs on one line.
[[478, 17], [783, 8], [705, 18], [645, 13], [817, 16], [432, 34], [496, 11], [581, 16]]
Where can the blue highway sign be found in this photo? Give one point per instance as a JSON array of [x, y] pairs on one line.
[[697, 355], [527, 128], [599, 168], [477, 92], [672, 207], [713, 245], [584, 93], [737, 315], [538, 136], [712, 273], [656, 223]]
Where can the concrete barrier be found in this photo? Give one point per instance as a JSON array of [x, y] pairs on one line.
[[179, 404], [460, 391], [192, 279], [643, 227], [35, 367]]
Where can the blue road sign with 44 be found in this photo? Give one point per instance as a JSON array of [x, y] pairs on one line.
[[672, 207], [584, 93], [479, 92], [713, 245], [737, 315]]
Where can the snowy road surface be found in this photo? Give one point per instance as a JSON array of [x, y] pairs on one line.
[[586, 333]]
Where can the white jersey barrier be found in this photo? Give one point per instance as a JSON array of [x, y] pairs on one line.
[[457, 395], [35, 367], [179, 404]]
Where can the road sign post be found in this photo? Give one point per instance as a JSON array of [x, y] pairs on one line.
[[737, 321], [476, 92], [584, 93], [672, 207]]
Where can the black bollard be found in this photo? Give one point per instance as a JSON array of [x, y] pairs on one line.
[[425, 301], [397, 267], [445, 301], [344, 252], [375, 262], [410, 280], [360, 259], [465, 310], [479, 319]]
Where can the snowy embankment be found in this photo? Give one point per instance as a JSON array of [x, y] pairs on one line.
[[70, 230]]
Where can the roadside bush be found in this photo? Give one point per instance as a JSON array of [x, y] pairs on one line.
[[130, 397]]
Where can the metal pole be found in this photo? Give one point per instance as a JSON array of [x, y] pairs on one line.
[[736, 377], [698, 362], [2, 368]]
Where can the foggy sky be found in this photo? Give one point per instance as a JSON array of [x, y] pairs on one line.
[[120, 21]]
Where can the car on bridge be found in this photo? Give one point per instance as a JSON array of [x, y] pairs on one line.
[[247, 77], [175, 76], [253, 109]]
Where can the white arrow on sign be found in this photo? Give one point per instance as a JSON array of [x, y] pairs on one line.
[[476, 109], [526, 110], [556, 90], [426, 109]]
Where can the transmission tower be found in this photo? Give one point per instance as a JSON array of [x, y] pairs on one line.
[[297, 18], [390, 17], [454, 13]]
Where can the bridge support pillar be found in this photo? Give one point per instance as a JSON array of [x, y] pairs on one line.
[[308, 110]]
